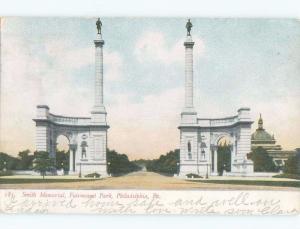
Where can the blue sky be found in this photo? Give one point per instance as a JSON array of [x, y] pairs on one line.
[[237, 62]]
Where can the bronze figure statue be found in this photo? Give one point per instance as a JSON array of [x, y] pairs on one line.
[[99, 25], [189, 26]]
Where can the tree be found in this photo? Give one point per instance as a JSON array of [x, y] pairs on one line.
[[262, 161], [165, 164], [26, 160], [119, 164], [224, 158], [43, 163], [62, 160], [292, 165], [8, 162]]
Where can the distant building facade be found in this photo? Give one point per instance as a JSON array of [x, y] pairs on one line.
[[261, 138]]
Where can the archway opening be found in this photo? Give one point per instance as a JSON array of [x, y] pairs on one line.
[[62, 153], [224, 155]]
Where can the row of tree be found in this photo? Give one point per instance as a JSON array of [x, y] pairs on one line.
[[118, 164], [25, 160], [165, 164]]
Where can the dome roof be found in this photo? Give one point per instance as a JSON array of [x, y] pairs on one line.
[[260, 135]]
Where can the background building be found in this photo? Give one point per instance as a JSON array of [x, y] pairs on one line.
[[261, 138]]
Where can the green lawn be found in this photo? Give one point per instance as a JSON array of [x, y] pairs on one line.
[[40, 180], [290, 176], [254, 182]]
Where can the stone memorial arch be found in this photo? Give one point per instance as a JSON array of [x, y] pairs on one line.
[[199, 137], [87, 135]]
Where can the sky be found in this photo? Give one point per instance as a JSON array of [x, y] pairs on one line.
[[237, 63]]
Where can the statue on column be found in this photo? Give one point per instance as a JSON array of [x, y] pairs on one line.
[[189, 26], [99, 25]]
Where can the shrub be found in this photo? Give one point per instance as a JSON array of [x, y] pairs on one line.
[[286, 175], [93, 175], [6, 173], [292, 165], [193, 175], [262, 161]]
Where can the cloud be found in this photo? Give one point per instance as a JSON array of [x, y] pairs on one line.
[[63, 54], [148, 128], [30, 78], [143, 129], [153, 46]]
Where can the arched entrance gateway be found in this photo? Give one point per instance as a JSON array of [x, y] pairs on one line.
[[87, 135], [201, 150]]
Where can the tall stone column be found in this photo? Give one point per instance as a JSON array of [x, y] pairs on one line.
[[189, 114], [99, 112], [189, 90]]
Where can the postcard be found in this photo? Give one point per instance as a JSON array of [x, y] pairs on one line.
[[133, 115]]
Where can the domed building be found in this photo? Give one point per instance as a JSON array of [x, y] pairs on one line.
[[261, 138]]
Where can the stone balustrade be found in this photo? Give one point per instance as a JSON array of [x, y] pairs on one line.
[[65, 120]]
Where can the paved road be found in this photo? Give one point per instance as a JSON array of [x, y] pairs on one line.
[[141, 180]]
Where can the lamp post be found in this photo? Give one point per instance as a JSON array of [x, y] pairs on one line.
[[206, 177], [108, 168], [79, 169], [62, 167], [177, 168], [4, 168]]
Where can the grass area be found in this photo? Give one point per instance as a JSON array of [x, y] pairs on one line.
[[290, 176], [40, 180], [254, 182]]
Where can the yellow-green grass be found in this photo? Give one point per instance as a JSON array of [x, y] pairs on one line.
[[295, 184]]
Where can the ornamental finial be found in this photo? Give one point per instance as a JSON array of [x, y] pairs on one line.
[[188, 27], [99, 25], [260, 122]]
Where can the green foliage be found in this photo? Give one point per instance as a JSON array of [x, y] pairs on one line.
[[288, 175], [6, 173], [252, 182], [25, 160], [262, 161], [8, 162], [119, 164], [22, 162], [292, 165], [93, 175], [43, 163], [193, 175], [165, 164], [142, 163], [62, 160], [224, 158]]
